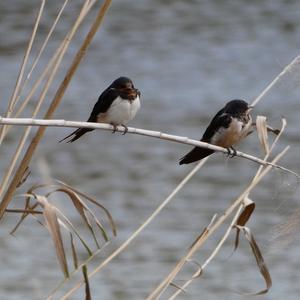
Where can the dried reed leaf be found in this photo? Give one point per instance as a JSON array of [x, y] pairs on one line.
[[95, 202], [26, 174], [259, 260], [27, 206], [243, 218], [90, 252], [54, 230], [262, 131], [82, 208], [74, 254], [78, 204], [87, 285]]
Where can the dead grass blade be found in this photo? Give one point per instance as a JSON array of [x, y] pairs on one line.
[[70, 224], [95, 202], [87, 285], [248, 209], [262, 132], [26, 174], [54, 229], [74, 254], [53, 223], [259, 260], [82, 209], [27, 207]]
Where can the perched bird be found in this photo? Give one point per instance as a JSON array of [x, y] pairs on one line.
[[117, 105], [229, 126]]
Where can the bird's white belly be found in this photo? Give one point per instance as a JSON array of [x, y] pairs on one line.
[[227, 137], [120, 112]]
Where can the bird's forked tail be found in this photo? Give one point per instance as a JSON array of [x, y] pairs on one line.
[[77, 134], [196, 154]]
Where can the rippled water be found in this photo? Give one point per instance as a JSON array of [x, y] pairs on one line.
[[187, 58]]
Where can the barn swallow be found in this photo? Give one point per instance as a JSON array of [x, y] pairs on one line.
[[117, 105], [228, 127]]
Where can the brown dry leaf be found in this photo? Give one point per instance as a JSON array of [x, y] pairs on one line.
[[54, 229], [86, 281], [78, 203], [74, 254], [26, 174], [26, 207], [261, 126], [243, 218], [94, 201], [259, 260], [82, 208]]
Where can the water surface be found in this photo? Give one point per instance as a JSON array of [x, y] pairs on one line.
[[188, 58]]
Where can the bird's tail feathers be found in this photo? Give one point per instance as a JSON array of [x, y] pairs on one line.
[[76, 134], [196, 154]]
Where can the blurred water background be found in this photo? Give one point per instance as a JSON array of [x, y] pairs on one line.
[[188, 58]]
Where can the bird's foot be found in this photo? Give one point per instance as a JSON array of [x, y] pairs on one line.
[[231, 152], [115, 128], [125, 129]]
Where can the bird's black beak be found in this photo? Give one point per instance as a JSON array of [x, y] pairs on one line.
[[131, 92]]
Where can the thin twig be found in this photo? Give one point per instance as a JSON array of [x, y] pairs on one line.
[[27, 211]]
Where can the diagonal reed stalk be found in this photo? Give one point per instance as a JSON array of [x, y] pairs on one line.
[[53, 66], [16, 91], [35, 62], [155, 294], [57, 98], [169, 278]]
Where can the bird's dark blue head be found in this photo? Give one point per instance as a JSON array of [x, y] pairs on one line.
[[236, 107], [125, 88], [122, 83]]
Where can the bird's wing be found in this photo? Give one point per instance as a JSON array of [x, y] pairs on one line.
[[221, 119], [104, 102]]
